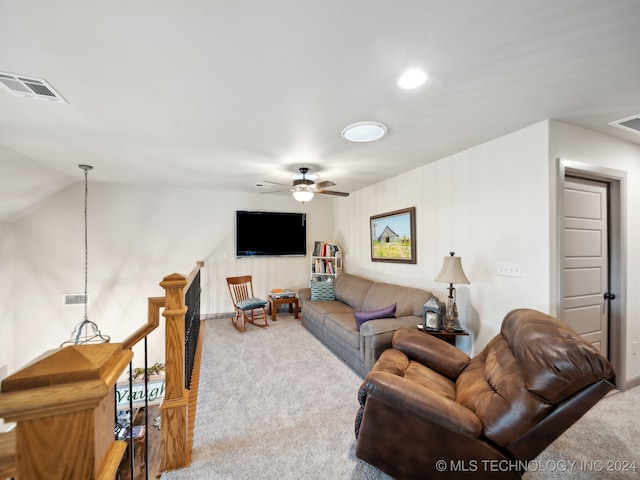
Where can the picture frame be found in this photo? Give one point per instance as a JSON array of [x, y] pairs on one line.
[[393, 236]]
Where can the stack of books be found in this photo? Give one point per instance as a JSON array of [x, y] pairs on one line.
[[280, 293]]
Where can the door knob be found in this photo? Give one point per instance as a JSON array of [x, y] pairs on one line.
[[609, 296]]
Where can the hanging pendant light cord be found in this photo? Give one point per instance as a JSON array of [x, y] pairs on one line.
[[81, 333], [86, 246]]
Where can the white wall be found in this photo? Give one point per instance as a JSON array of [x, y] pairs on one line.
[[571, 143], [492, 203], [489, 204], [6, 304], [138, 235]]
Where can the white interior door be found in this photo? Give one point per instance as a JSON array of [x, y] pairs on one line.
[[585, 272]]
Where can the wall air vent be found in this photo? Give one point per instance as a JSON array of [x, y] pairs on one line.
[[630, 124], [23, 86], [74, 299]]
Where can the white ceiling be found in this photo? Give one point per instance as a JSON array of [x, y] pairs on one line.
[[226, 94]]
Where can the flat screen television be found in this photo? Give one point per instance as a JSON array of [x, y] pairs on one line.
[[270, 234]]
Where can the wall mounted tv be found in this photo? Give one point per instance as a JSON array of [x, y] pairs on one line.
[[270, 234]]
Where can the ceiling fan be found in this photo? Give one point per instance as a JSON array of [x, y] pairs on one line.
[[304, 188]]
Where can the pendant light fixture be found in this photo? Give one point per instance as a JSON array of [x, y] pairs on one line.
[[86, 331]]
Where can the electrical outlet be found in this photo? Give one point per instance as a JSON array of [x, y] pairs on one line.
[[509, 269], [634, 348]]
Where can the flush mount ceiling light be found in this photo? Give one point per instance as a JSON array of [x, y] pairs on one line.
[[364, 131], [412, 79]]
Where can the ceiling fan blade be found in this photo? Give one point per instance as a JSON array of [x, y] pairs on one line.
[[324, 184], [332, 192], [276, 191], [276, 183]]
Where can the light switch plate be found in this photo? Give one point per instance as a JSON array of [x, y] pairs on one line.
[[509, 269]]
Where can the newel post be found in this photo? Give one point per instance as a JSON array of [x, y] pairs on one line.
[[174, 443], [63, 406]]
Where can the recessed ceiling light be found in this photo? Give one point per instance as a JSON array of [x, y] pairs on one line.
[[364, 131], [412, 79]]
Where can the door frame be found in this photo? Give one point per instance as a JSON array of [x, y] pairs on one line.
[[617, 183]]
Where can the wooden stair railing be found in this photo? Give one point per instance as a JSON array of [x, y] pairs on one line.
[[62, 402]]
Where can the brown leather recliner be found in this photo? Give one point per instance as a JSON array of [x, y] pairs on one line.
[[429, 411]]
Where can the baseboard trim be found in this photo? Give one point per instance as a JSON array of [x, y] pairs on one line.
[[632, 382], [212, 316]]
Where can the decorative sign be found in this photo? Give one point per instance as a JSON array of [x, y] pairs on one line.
[[155, 393]]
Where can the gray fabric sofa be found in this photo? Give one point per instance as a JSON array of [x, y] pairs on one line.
[[333, 323]]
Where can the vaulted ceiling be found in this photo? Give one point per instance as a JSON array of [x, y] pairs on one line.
[[225, 95]]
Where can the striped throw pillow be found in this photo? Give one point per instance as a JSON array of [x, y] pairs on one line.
[[322, 291]]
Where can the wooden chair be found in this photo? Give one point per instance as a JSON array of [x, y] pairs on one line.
[[248, 308]]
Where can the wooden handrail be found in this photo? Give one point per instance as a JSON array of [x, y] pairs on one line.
[[155, 304], [194, 272]]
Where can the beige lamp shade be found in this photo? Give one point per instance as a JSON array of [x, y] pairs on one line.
[[452, 271]]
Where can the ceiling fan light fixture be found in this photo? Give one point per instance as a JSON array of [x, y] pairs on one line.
[[364, 131], [303, 195]]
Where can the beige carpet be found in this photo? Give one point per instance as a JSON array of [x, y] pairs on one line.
[[274, 403]]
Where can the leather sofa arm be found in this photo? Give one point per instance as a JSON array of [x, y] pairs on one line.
[[430, 351], [403, 394]]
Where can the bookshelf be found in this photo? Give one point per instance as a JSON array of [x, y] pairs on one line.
[[326, 262]]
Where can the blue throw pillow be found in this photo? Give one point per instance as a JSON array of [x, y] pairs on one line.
[[387, 312], [322, 291]]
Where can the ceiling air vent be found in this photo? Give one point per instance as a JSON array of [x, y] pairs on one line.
[[74, 299], [630, 124], [31, 87]]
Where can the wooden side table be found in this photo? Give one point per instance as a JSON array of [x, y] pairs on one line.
[[275, 301], [449, 337]]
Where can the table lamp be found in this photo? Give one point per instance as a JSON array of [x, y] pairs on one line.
[[451, 273]]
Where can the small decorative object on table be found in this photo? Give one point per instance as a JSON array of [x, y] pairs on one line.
[[432, 314]]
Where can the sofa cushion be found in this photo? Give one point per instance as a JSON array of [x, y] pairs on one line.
[[352, 290], [556, 361], [387, 312], [343, 327], [409, 300], [322, 291], [316, 311]]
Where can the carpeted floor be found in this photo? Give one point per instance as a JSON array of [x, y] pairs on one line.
[[274, 403]]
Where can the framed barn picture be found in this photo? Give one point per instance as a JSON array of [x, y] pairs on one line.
[[393, 236]]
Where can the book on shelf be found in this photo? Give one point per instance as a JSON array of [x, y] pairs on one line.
[[323, 249]]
